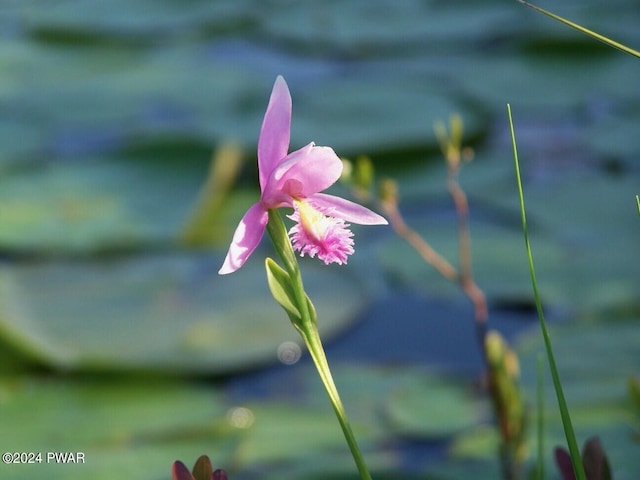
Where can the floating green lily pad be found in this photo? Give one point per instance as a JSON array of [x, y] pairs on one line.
[[382, 402], [121, 429], [433, 407], [288, 433], [548, 84], [120, 19], [403, 400], [582, 225], [137, 428], [593, 219], [353, 115], [463, 470], [159, 312], [595, 360], [613, 138], [85, 208], [498, 255], [367, 29]]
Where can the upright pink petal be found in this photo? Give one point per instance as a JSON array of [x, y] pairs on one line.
[[246, 238], [296, 180], [349, 211], [273, 143], [304, 172]]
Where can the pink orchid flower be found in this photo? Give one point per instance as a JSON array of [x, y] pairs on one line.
[[295, 180]]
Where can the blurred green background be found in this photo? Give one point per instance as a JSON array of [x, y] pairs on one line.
[[119, 340]]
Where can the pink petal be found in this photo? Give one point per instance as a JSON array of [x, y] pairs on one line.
[[348, 211], [273, 143], [246, 238], [304, 172]]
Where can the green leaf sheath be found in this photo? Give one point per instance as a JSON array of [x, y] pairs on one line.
[[282, 290]]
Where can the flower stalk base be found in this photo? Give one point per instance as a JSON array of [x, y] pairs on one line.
[[288, 290]]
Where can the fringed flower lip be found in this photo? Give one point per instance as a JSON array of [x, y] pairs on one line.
[[295, 180], [317, 234]]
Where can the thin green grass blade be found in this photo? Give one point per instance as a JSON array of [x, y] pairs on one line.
[[597, 36], [540, 415], [562, 403]]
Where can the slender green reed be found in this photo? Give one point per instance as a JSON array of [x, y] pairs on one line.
[[540, 419], [562, 404], [584, 30]]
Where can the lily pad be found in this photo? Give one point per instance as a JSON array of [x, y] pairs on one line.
[[83, 208], [115, 429], [107, 97], [137, 428], [353, 115], [592, 218], [595, 360], [120, 19], [366, 29], [99, 206], [613, 138], [582, 224], [289, 433], [159, 312], [540, 85], [382, 401], [463, 470], [433, 407], [388, 406], [293, 442], [498, 256]]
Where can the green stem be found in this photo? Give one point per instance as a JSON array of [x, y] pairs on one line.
[[584, 30], [562, 403], [308, 329], [312, 340]]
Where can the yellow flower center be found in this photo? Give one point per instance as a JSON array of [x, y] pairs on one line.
[[313, 222]]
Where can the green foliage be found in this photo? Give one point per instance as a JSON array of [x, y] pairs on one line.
[[562, 404]]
